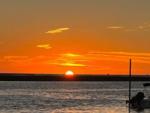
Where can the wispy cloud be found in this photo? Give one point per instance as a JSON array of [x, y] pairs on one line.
[[69, 60], [142, 27], [115, 27], [94, 61], [23, 60], [72, 59], [44, 46], [71, 64], [120, 56], [15, 57], [58, 30], [71, 55]]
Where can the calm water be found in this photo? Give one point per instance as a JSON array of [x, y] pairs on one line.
[[65, 97]]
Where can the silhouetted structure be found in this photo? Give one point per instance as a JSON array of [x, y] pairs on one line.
[[59, 77]]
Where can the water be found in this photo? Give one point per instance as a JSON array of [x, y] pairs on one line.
[[65, 97]]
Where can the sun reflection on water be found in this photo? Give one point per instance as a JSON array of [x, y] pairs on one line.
[[92, 110]]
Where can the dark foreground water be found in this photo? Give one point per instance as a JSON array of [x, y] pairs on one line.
[[65, 97]]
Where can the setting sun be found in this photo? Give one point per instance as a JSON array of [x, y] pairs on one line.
[[69, 73]]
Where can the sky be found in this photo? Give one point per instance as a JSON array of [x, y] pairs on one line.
[[85, 36]]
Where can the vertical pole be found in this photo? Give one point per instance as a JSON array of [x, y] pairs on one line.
[[130, 73]]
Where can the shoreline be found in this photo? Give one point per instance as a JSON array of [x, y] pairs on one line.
[[61, 77]]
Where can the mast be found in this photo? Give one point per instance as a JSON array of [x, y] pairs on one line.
[[130, 80]]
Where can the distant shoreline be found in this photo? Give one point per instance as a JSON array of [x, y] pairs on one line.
[[59, 77]]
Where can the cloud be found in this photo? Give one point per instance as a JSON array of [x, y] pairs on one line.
[[70, 64], [71, 55], [23, 60], [142, 27], [44, 46], [69, 60], [120, 56], [73, 64], [94, 61], [15, 57], [58, 30], [115, 27]]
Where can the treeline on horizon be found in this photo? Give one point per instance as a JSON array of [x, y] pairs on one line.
[[61, 77]]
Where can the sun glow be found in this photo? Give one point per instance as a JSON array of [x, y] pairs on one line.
[[69, 73]]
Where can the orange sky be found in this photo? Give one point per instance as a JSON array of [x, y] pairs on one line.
[[85, 36]]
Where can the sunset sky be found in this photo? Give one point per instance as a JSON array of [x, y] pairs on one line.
[[85, 36]]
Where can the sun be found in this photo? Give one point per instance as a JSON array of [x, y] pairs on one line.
[[69, 74]]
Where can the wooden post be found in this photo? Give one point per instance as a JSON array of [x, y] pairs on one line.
[[130, 80]]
